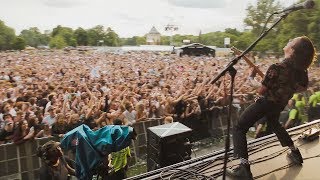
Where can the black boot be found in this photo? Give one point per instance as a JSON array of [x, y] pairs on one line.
[[241, 172], [295, 156]]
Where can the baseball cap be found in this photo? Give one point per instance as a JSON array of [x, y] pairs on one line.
[[50, 145], [46, 149]]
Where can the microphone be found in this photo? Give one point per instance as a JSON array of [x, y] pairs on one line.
[[309, 4]]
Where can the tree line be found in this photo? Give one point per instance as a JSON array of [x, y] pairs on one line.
[[304, 22]]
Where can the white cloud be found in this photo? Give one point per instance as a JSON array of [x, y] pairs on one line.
[[126, 17], [199, 3], [63, 3]]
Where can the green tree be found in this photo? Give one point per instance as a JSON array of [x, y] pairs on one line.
[[133, 41], [81, 36], [19, 43], [214, 38], [165, 40], [66, 33], [56, 31], [32, 37], [313, 26], [304, 22], [256, 18], [257, 15], [7, 36], [57, 42], [140, 40], [45, 37], [244, 40], [96, 34], [111, 38], [233, 31]]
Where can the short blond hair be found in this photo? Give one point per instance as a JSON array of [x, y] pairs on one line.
[[168, 120]]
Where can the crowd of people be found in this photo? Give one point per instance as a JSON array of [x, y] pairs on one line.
[[48, 93]]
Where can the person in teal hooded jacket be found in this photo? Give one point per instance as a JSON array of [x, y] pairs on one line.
[[93, 147]]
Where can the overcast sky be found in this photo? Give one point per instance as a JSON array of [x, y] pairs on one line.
[[127, 17]]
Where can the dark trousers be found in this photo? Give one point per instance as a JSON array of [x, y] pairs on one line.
[[119, 175], [252, 114], [313, 113]]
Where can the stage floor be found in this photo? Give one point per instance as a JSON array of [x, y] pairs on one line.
[[268, 158]]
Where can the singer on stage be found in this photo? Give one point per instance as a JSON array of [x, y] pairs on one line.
[[281, 81]]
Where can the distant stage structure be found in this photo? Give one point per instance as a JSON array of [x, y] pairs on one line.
[[196, 49]]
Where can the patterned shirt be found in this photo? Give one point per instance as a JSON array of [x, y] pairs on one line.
[[282, 81]]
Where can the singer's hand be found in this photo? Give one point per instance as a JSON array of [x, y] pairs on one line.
[[253, 73], [262, 90]]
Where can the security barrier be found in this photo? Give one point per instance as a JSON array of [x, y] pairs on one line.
[[140, 144], [21, 162]]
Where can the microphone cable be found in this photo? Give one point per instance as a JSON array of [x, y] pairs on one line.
[[197, 170], [265, 24], [284, 167]]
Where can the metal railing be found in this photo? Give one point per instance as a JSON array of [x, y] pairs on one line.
[[21, 162]]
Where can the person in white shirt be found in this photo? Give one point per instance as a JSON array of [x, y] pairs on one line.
[[51, 118], [129, 114], [52, 100]]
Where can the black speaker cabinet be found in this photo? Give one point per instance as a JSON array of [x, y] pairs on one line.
[[167, 144]]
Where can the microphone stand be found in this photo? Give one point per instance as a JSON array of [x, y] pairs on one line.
[[232, 71]]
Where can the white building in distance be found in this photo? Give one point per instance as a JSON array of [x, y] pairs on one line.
[[153, 37]]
